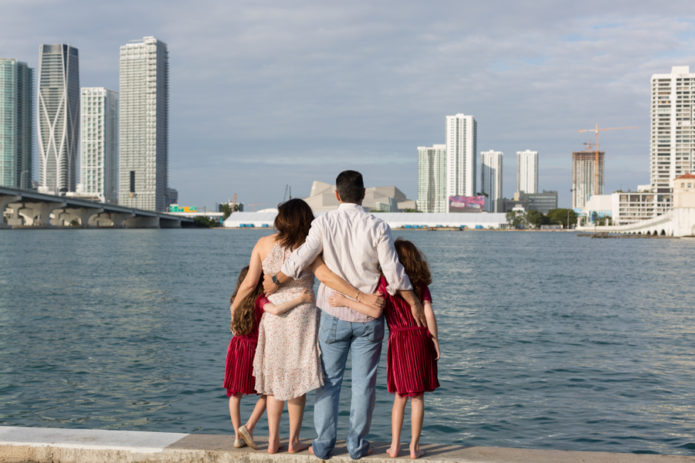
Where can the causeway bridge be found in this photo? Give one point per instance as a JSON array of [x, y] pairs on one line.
[[29, 209]]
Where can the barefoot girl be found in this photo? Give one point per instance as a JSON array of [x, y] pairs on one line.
[[412, 351], [238, 378]]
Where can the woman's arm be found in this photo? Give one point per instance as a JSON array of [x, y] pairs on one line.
[[339, 300], [249, 284], [333, 281], [279, 309], [432, 325]]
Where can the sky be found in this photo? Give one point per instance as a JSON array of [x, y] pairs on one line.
[[265, 95]]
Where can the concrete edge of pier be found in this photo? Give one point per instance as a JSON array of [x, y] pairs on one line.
[[25, 444]]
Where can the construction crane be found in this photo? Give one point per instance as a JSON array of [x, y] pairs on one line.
[[596, 131]]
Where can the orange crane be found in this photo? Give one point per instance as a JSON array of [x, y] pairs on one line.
[[596, 131]]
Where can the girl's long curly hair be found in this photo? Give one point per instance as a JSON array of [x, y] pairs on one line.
[[414, 264], [244, 317]]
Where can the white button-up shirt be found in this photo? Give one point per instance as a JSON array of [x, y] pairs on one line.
[[354, 244]]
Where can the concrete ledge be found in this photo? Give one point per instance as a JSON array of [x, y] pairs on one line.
[[19, 444]]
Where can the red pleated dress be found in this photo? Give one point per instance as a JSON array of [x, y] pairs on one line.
[[238, 374], [411, 368]]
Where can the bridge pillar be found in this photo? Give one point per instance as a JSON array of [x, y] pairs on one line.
[[6, 200], [38, 214]]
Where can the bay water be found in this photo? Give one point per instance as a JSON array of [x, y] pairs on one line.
[[549, 340]]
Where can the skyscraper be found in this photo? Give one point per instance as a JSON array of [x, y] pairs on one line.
[[672, 135], [58, 116], [99, 160], [584, 175], [491, 179], [144, 124], [431, 187], [461, 152], [527, 171], [16, 116]]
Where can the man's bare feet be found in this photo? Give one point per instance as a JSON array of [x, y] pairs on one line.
[[311, 450], [416, 452], [393, 451], [298, 446]]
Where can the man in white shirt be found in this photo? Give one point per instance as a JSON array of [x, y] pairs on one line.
[[358, 247]]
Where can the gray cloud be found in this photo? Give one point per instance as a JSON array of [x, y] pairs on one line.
[[287, 92]]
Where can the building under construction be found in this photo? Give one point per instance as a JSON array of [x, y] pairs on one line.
[[584, 175]]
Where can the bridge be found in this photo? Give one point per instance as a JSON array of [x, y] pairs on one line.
[[29, 209]]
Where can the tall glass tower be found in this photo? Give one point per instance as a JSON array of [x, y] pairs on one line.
[[16, 109], [58, 117], [144, 123]]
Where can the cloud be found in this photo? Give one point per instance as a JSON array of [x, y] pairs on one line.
[[312, 87]]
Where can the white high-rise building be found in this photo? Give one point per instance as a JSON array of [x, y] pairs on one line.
[[16, 116], [527, 171], [431, 187], [672, 136], [460, 155], [58, 117], [491, 179], [144, 124], [99, 153]]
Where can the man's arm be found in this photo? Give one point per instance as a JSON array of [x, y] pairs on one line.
[[415, 306], [390, 266], [396, 277], [300, 259]]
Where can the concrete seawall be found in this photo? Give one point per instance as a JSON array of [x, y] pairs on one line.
[[18, 444]]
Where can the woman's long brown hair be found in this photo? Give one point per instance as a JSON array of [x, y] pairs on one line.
[[293, 222], [244, 317], [414, 263]]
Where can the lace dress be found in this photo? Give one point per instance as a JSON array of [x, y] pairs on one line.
[[287, 363]]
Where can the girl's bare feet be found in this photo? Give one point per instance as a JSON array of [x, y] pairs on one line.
[[393, 451], [296, 447], [415, 452]]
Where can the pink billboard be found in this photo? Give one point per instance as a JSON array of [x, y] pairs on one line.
[[466, 203]]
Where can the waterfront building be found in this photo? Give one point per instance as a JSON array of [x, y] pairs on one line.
[[381, 198], [527, 171], [491, 179], [672, 135], [461, 152], [16, 127], [431, 187], [99, 144], [541, 202], [58, 117], [584, 175], [144, 124]]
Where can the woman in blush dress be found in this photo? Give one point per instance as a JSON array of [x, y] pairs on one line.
[[287, 363]]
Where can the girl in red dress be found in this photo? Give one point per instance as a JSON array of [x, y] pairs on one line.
[[238, 376], [413, 351]]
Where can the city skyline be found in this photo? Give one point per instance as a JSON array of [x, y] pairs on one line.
[[531, 76]]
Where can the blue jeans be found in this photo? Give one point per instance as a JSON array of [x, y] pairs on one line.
[[337, 338]]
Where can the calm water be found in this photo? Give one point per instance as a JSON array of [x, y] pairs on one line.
[[549, 340]]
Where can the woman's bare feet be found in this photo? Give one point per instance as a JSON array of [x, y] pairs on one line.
[[274, 445], [296, 447], [393, 451], [415, 452]]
